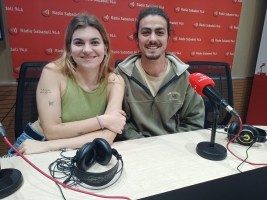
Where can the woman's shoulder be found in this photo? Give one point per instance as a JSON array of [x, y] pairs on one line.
[[115, 78], [51, 70], [51, 77]]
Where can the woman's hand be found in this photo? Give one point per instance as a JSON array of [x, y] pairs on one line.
[[114, 120], [33, 146]]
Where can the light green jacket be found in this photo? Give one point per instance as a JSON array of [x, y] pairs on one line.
[[175, 108]]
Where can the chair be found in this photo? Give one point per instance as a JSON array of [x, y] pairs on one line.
[[220, 73], [26, 108], [118, 62]]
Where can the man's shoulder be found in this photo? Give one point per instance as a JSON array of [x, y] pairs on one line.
[[179, 66], [126, 66]]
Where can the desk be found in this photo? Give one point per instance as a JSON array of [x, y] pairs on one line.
[[151, 166]]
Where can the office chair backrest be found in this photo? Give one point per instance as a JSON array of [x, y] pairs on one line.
[[221, 74], [117, 62], [26, 108]]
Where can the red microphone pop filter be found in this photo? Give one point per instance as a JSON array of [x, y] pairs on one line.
[[199, 81]]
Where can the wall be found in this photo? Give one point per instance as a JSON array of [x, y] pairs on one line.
[[6, 73], [246, 51], [248, 38], [203, 29], [257, 104], [8, 84]]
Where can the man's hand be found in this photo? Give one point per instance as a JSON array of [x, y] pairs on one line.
[[114, 120]]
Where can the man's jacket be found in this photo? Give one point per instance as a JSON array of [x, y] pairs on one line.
[[175, 108]]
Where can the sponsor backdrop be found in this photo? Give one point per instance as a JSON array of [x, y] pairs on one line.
[[257, 111], [205, 30]]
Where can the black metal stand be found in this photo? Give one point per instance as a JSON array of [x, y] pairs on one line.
[[211, 150], [10, 181]]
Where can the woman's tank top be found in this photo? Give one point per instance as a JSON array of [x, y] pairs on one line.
[[78, 104]]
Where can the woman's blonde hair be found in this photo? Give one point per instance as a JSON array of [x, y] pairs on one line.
[[65, 63]]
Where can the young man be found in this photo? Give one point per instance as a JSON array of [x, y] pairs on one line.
[[158, 98]]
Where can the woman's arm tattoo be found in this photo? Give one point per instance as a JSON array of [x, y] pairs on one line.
[[79, 133], [51, 103], [45, 91]]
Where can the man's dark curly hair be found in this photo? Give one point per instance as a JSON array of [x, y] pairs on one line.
[[152, 11]]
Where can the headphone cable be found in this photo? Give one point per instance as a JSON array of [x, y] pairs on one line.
[[246, 156], [65, 165], [237, 135], [60, 183]]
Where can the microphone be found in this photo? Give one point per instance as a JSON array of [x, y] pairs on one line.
[[203, 85]]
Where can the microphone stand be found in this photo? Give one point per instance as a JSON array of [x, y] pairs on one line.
[[10, 179], [211, 150]]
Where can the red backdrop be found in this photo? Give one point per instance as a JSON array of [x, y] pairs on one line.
[[205, 30]]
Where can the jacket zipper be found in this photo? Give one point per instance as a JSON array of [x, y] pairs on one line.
[[148, 91]]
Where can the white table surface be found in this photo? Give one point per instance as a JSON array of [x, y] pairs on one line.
[[151, 166]]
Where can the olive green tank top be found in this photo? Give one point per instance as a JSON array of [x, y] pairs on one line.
[[78, 104]]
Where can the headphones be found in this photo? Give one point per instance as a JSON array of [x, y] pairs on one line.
[[97, 151], [248, 135]]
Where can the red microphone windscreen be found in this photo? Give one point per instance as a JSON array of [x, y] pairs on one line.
[[199, 81]]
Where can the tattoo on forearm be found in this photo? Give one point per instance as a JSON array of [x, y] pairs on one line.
[[45, 91], [51, 103], [79, 133]]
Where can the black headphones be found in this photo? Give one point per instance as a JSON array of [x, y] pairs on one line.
[[248, 135], [97, 151]]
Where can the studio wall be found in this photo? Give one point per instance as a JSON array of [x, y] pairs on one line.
[[245, 58], [257, 106], [205, 30]]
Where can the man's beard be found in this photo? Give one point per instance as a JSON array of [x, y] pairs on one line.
[[152, 57]]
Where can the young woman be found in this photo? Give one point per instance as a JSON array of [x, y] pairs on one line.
[[78, 97]]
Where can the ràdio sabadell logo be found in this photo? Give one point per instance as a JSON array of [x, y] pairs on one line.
[[45, 13], [174, 39], [105, 18], [131, 5], [16, 69], [131, 37], [177, 9], [212, 40], [195, 25], [13, 31], [48, 51], [192, 54]]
